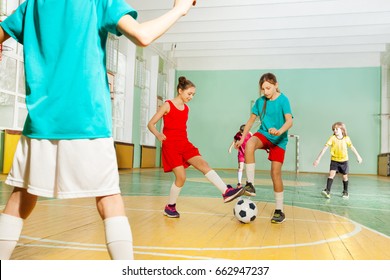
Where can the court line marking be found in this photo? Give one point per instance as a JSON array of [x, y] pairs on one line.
[[101, 247], [105, 250], [356, 230]]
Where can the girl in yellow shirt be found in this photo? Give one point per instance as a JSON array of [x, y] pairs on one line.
[[338, 143]]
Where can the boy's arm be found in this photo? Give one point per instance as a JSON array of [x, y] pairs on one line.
[[143, 34], [359, 158], [317, 161]]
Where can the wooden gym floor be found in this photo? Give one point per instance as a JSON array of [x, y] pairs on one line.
[[315, 229]]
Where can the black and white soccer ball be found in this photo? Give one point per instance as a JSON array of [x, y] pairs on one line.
[[245, 210]]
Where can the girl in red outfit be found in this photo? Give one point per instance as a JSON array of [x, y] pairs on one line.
[[178, 152]]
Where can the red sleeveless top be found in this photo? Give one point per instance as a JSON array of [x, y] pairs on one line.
[[175, 123]]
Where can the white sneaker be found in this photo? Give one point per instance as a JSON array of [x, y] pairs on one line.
[[345, 195], [325, 194]]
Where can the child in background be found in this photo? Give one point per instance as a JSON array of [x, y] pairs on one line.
[[241, 152], [66, 149], [178, 152], [274, 111], [338, 143]]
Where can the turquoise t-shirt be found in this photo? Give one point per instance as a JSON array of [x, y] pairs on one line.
[[273, 117], [67, 92]]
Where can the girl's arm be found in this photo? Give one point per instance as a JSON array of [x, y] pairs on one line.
[[359, 158], [3, 35], [247, 128], [231, 146], [143, 34], [286, 126], [152, 123], [317, 161]]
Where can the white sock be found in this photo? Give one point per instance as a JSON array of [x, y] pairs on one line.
[[173, 194], [250, 172], [10, 230], [239, 172], [239, 176], [119, 238], [278, 200], [214, 178]]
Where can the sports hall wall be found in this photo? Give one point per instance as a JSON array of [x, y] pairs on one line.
[[318, 97]]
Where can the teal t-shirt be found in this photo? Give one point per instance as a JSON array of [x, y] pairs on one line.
[[67, 92], [273, 117]]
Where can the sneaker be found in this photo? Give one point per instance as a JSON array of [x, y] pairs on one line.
[[250, 189], [345, 195], [170, 211], [232, 193], [325, 193], [278, 217]]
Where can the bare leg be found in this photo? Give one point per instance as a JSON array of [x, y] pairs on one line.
[[180, 176], [199, 163], [174, 192], [19, 206], [276, 175], [117, 228]]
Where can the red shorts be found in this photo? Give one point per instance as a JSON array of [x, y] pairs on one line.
[[177, 153], [275, 152]]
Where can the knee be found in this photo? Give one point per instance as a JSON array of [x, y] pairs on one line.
[[110, 206], [276, 173], [180, 180], [249, 148], [20, 203]]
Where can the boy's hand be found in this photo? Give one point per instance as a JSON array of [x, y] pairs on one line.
[[360, 160]]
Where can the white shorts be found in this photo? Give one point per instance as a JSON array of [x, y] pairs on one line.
[[65, 168]]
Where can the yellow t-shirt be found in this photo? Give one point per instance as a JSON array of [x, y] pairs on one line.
[[339, 148]]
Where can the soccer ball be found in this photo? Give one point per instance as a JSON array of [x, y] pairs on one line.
[[245, 210]]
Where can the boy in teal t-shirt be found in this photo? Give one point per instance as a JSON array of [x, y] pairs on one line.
[[69, 109]]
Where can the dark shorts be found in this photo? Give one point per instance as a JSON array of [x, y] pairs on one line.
[[340, 167], [275, 152], [177, 153]]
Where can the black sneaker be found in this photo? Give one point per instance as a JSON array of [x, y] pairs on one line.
[[345, 195], [250, 189], [278, 217]]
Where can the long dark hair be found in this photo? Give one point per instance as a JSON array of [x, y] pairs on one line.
[[271, 78]]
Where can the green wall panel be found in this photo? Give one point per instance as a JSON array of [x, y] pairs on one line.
[[318, 97]]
